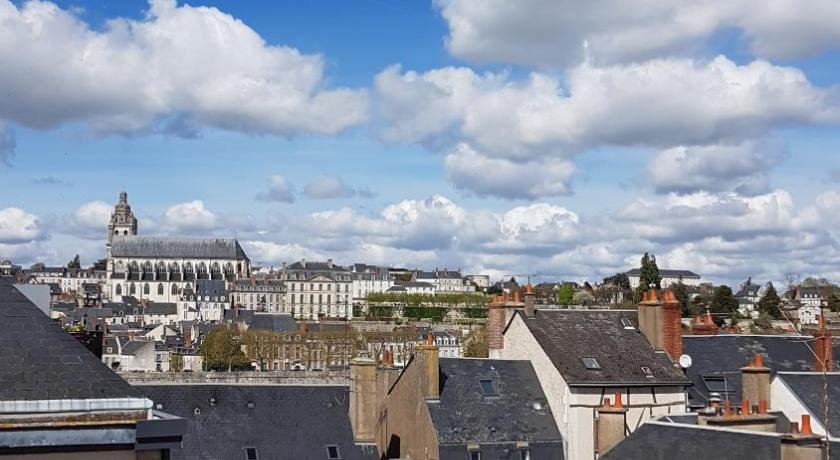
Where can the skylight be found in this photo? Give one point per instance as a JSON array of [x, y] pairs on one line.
[[716, 383], [591, 364], [333, 452], [250, 453], [487, 387]]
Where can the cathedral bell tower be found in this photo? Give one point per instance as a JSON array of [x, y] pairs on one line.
[[122, 222]]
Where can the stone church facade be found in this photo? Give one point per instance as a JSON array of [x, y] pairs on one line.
[[160, 268]]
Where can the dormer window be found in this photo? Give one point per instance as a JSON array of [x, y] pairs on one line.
[[333, 452], [591, 364]]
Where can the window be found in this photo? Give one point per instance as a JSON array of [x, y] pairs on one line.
[[716, 383], [251, 453], [524, 454], [146, 288], [475, 455], [160, 288], [487, 387], [333, 452], [119, 289], [591, 364]]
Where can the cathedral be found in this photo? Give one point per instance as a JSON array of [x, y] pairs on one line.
[[160, 268]]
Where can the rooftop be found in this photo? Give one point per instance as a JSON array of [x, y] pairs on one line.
[[665, 272], [808, 387], [597, 335], [298, 421], [191, 248], [39, 361]]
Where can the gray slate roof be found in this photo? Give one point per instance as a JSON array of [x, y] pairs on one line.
[[808, 387], [294, 422], [161, 308], [38, 360], [569, 335], [464, 415], [725, 355], [133, 346], [188, 248], [274, 322], [666, 272], [663, 441]]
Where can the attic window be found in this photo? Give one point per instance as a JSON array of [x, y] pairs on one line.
[[251, 453], [333, 452], [591, 364], [716, 383], [487, 387]]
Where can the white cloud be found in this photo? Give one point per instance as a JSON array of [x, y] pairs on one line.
[[469, 170], [278, 190], [717, 168], [182, 64], [88, 221], [658, 104], [189, 217], [328, 187], [18, 226], [552, 33]]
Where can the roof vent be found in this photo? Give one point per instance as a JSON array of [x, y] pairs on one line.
[[537, 405], [196, 411], [159, 406], [212, 401], [250, 405]]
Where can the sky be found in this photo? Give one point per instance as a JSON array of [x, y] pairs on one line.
[[561, 139]]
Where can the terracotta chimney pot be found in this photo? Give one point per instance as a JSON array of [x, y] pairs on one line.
[[745, 407], [618, 403], [806, 424]]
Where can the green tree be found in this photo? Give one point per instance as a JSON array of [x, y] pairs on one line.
[[619, 279], [101, 264], [222, 352], [476, 344], [770, 303], [38, 266], [75, 263], [680, 291], [649, 276], [176, 362], [723, 303], [566, 294]]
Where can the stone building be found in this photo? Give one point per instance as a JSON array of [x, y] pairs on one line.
[[265, 294], [318, 289], [157, 268]]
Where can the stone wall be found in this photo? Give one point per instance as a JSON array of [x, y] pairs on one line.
[[239, 378]]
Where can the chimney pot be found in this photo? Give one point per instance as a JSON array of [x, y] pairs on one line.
[[745, 407], [516, 297], [607, 402], [727, 407], [806, 424], [618, 403], [762, 406], [758, 361]]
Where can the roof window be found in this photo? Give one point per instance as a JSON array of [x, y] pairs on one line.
[[487, 387], [251, 453], [716, 383], [591, 363], [333, 452]]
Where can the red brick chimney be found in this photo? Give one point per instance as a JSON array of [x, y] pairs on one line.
[[660, 321], [704, 325], [824, 359], [496, 324]]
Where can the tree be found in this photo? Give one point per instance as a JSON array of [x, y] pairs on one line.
[[176, 362], [477, 345], [261, 346], [494, 290], [583, 297], [770, 303], [649, 276], [75, 263], [566, 294], [101, 264], [619, 279], [723, 303], [38, 266], [222, 352], [680, 291]]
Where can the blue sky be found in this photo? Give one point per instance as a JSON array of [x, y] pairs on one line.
[[509, 139]]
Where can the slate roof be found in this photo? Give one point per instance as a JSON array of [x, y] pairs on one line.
[[808, 387], [133, 346], [295, 422], [519, 412], [275, 322], [748, 290], [212, 288], [38, 360], [315, 266], [665, 272], [161, 308], [566, 336], [725, 355], [662, 441], [189, 248]]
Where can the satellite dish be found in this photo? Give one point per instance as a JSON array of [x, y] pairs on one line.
[[685, 361]]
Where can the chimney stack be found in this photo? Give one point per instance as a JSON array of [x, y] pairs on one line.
[[432, 365], [610, 424], [530, 308], [824, 359], [660, 321], [363, 399], [755, 381], [802, 444], [495, 325], [704, 325]]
